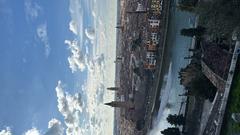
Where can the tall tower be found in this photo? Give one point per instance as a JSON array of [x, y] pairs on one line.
[[113, 88], [119, 27], [121, 104]]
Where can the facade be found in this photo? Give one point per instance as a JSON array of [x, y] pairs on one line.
[[157, 6], [150, 62], [154, 38], [153, 34], [154, 23], [140, 8], [151, 46]]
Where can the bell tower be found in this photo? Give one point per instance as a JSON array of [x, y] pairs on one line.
[[121, 104], [113, 88]]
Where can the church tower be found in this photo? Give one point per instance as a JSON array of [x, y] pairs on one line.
[[119, 27], [121, 104], [113, 88]]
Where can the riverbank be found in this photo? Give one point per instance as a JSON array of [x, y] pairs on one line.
[[168, 100]]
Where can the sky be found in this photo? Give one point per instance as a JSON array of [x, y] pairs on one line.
[[56, 62]]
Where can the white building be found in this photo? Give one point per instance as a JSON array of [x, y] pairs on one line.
[[151, 55], [151, 58], [154, 23], [154, 38], [140, 8]]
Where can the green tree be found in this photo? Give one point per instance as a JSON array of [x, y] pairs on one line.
[[219, 17], [136, 43], [171, 131], [176, 119], [137, 71], [187, 5], [192, 78], [190, 32]]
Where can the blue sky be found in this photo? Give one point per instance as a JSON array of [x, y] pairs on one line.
[[48, 64]]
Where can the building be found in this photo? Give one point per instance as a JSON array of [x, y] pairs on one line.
[[153, 34], [154, 38], [140, 8], [121, 104], [150, 62], [156, 7], [151, 46], [154, 23]]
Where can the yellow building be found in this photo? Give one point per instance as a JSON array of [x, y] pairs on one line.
[[151, 46]]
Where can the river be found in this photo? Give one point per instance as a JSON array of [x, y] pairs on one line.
[[176, 49]]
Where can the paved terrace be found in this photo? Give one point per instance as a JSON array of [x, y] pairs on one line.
[[213, 126]]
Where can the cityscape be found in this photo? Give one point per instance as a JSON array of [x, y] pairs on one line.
[[120, 67]]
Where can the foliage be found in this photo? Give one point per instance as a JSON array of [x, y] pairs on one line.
[[192, 79], [176, 119], [220, 17], [230, 126], [136, 70], [187, 5], [136, 43], [171, 131], [190, 32]]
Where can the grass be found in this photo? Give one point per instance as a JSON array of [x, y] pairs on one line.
[[229, 126]]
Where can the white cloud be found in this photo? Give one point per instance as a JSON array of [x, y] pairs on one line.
[[76, 23], [73, 27], [90, 33], [70, 106], [77, 58], [6, 131], [98, 118], [43, 36], [32, 10], [54, 128], [32, 131]]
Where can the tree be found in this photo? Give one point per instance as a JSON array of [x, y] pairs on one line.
[[187, 5], [185, 8], [190, 32], [171, 131], [136, 70], [176, 119], [192, 78], [136, 43], [219, 17]]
